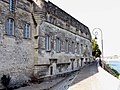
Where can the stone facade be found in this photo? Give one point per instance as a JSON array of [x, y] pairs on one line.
[[57, 43]]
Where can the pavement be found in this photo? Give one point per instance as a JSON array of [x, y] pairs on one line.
[[95, 78]]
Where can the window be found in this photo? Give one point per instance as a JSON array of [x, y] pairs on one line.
[[11, 5], [78, 48], [67, 26], [77, 31], [47, 43], [26, 31], [78, 63], [81, 48], [10, 27], [73, 48], [58, 45], [66, 46]]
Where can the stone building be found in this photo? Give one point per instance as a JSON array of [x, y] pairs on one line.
[[37, 37]]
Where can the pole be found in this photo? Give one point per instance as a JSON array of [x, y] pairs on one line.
[[95, 32]]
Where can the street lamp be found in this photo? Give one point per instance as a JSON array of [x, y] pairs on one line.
[[95, 33]]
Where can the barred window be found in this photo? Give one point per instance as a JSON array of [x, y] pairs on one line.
[[11, 5], [26, 31], [10, 27]]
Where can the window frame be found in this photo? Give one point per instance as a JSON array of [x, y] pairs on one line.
[[47, 43], [10, 27], [26, 31], [58, 45], [11, 5], [78, 49], [66, 46], [82, 49], [73, 48]]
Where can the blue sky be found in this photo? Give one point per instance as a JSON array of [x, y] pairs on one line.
[[103, 14]]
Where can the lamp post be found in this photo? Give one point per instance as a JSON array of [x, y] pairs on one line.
[[95, 33]]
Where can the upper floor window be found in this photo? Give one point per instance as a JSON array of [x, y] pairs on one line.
[[26, 31], [58, 45], [66, 46], [10, 27], [11, 5], [73, 48], [47, 43], [82, 49], [77, 31], [78, 49], [67, 26]]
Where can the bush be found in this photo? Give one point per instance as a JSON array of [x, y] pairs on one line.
[[5, 80]]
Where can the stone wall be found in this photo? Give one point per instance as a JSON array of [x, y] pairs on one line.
[[57, 13], [62, 57], [56, 23], [16, 53], [21, 57]]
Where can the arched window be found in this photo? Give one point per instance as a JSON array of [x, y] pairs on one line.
[[10, 27]]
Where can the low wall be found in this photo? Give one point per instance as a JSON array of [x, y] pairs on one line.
[[106, 67]]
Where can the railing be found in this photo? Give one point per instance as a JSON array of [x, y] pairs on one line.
[[107, 68]]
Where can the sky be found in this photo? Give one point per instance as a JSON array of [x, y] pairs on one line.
[[103, 14]]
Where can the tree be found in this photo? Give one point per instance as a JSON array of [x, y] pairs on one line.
[[95, 49]]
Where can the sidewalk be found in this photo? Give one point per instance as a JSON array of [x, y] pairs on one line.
[[100, 80]]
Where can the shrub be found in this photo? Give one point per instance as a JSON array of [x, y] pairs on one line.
[[5, 80]]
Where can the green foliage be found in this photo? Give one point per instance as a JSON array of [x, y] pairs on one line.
[[95, 49], [115, 71]]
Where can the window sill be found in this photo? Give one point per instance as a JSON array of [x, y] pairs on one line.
[[27, 38], [11, 36]]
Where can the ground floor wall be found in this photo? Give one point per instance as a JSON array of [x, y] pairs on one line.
[[16, 60]]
